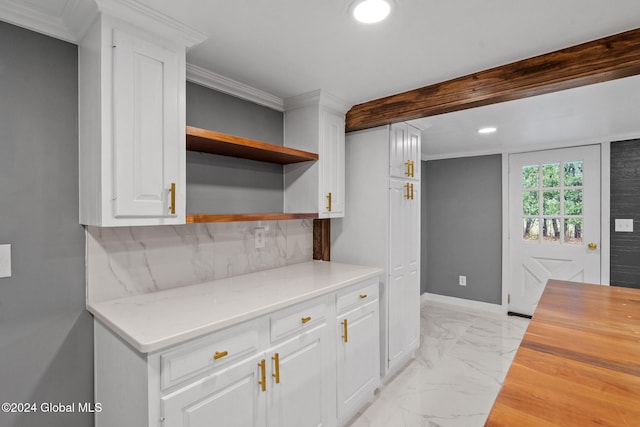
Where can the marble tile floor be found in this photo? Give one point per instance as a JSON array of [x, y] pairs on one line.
[[463, 358]]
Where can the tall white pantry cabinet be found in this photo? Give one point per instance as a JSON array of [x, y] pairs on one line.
[[383, 229]]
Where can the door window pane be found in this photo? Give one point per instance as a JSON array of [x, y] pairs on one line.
[[530, 176], [530, 229], [573, 231], [530, 202], [551, 229], [573, 202], [551, 175], [551, 202], [572, 174]]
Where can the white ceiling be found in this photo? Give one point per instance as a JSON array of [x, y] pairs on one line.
[[289, 47]]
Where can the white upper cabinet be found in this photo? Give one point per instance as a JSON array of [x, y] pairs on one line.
[[404, 152], [132, 120], [315, 122]]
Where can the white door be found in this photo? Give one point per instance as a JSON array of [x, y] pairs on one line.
[[358, 363], [230, 398], [332, 171], [404, 281], [298, 394], [146, 135], [554, 221]]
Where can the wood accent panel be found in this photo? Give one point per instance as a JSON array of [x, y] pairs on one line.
[[197, 218], [600, 60], [322, 239], [625, 203], [578, 362], [208, 141]]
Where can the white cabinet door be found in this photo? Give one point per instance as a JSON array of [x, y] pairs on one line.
[[332, 165], [299, 395], [230, 398], [358, 362], [404, 284], [146, 136], [404, 151]]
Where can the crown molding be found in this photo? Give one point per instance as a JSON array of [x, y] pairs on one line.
[[229, 86], [139, 14], [26, 16], [317, 97]]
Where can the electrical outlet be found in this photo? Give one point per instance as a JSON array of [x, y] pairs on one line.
[[5, 260], [462, 280], [259, 237], [624, 225]]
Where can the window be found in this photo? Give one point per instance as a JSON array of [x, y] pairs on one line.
[[552, 203]]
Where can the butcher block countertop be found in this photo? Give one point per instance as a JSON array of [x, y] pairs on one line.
[[578, 363]]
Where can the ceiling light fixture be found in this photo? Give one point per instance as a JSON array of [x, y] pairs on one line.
[[371, 11], [487, 130]]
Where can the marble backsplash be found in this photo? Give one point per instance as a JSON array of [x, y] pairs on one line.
[[124, 261]]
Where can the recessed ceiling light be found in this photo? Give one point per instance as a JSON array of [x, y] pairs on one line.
[[487, 130], [371, 11]]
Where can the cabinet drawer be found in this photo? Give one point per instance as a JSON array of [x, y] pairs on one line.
[[209, 353], [297, 319], [358, 295]]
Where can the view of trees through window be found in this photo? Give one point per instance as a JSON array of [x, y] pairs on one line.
[[552, 202]]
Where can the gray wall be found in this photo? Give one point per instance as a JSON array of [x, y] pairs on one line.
[[462, 227], [46, 338], [218, 184], [625, 203]]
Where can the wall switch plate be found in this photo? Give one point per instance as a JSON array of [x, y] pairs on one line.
[[624, 225], [259, 237], [462, 280], [5, 261]]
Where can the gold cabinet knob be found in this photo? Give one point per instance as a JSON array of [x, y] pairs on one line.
[[363, 296], [592, 246], [305, 319]]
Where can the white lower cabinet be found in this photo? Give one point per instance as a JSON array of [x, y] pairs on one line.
[[227, 398], [279, 370], [358, 363]]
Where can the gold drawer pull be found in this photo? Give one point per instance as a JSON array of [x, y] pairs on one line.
[[411, 192], [363, 296], [408, 172], [345, 336], [220, 354], [413, 168], [263, 375], [305, 319], [329, 197], [276, 360]]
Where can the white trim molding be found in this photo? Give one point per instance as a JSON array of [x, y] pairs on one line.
[[28, 16], [229, 86], [460, 302]]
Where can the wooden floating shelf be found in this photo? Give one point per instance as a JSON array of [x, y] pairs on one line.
[[199, 218], [208, 141]]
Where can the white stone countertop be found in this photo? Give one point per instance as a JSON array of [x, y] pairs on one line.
[[154, 321]]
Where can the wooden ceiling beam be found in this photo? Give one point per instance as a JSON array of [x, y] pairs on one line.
[[597, 61]]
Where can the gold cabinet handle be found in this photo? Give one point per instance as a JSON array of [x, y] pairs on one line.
[[220, 354], [329, 200], [345, 331], [592, 246], [305, 319], [413, 168], [408, 163], [172, 191], [406, 191], [263, 375], [411, 191], [363, 296], [276, 360]]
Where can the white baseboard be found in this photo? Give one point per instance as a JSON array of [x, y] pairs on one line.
[[460, 302]]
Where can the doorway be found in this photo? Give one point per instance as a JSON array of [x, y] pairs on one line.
[[554, 221]]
